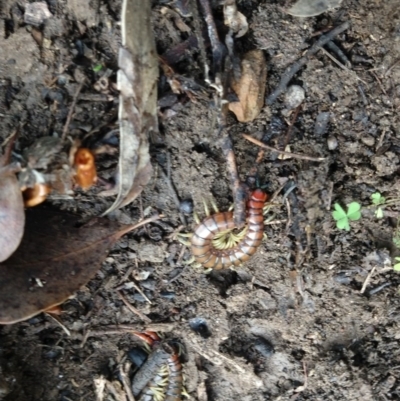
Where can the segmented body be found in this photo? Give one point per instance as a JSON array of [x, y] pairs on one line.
[[175, 382], [201, 242], [161, 377], [167, 384]]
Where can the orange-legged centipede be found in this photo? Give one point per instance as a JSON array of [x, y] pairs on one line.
[[201, 242]]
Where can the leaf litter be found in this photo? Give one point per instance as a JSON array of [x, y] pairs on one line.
[[55, 259], [137, 82]]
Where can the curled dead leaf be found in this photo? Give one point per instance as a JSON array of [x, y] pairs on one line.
[[55, 258], [250, 88], [137, 83]]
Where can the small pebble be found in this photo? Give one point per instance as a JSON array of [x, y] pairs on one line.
[[294, 97], [332, 143], [264, 347], [186, 206], [368, 140], [321, 123], [167, 294], [199, 325], [137, 356], [36, 13]]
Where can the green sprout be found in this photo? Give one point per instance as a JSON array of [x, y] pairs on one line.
[[396, 267], [343, 218], [377, 200], [97, 68]]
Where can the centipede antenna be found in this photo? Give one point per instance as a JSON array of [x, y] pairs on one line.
[[231, 207]]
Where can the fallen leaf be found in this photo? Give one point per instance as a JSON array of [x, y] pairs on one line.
[[234, 19], [311, 8], [55, 259], [137, 83], [12, 215], [250, 88]]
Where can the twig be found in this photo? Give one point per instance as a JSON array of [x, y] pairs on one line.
[[217, 47], [71, 110], [239, 189], [335, 49], [67, 332], [296, 67], [294, 155], [140, 224], [126, 328], [291, 125], [125, 381], [337, 62], [367, 280], [133, 309]]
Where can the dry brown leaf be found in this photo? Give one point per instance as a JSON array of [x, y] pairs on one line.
[[250, 89], [311, 8], [54, 260], [12, 215], [137, 82], [234, 19]]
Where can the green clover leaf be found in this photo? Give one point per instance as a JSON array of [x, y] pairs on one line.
[[377, 198], [353, 211]]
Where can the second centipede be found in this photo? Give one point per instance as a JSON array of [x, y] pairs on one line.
[[208, 256]]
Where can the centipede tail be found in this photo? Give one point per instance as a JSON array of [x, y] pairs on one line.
[[201, 243]]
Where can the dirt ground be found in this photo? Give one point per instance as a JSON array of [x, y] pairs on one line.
[[290, 324]]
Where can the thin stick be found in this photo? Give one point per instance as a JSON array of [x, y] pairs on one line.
[[140, 224], [238, 188], [367, 280], [67, 332], [125, 381], [337, 62], [133, 309], [71, 110], [296, 67], [294, 155]]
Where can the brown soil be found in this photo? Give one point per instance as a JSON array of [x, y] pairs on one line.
[[291, 324]]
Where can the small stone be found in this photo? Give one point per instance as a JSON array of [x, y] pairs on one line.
[[368, 140], [36, 13], [294, 97], [186, 206], [321, 123], [332, 143]]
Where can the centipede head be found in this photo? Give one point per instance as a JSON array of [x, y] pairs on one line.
[[259, 195]]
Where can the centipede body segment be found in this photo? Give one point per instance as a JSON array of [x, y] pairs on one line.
[[201, 242]]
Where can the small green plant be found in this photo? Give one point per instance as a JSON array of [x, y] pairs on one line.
[[97, 68], [343, 217], [378, 200], [396, 267]]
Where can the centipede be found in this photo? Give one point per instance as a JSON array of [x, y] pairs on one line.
[[161, 377], [242, 246]]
